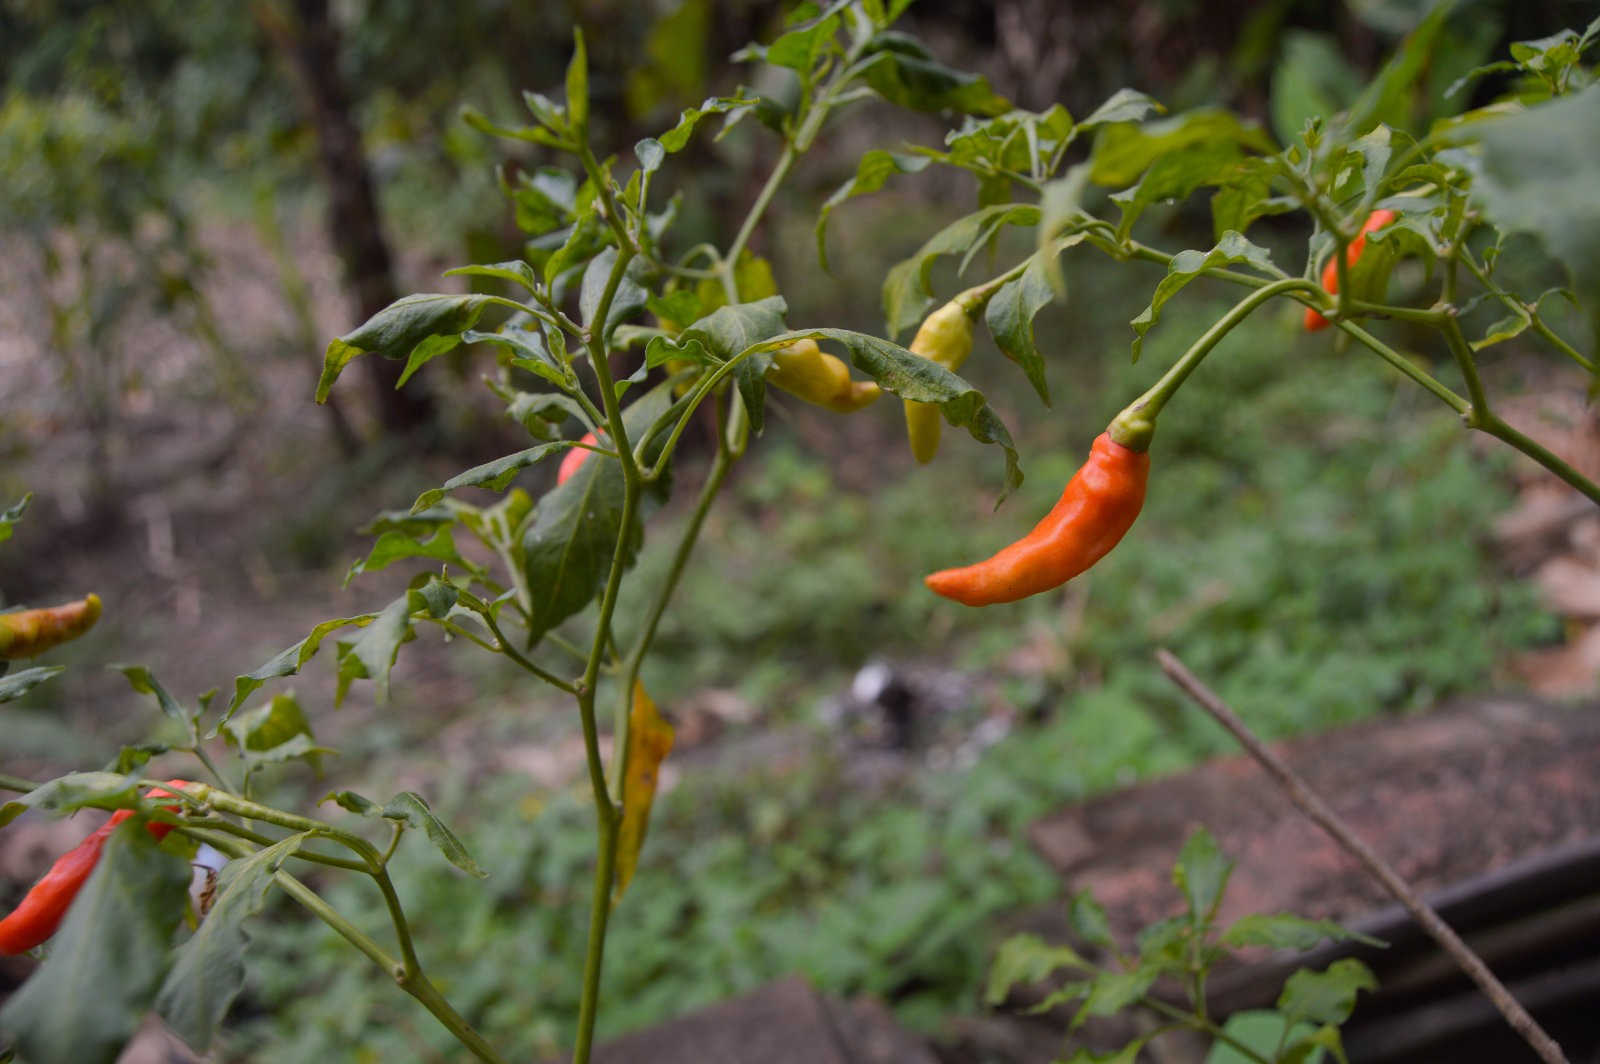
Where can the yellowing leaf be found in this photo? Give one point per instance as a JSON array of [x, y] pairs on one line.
[[649, 741]]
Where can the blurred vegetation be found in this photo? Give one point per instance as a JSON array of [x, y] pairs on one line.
[[1311, 542]]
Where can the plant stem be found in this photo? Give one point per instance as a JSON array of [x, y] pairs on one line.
[[1405, 366], [411, 980], [1323, 815], [1200, 1023], [594, 952], [1134, 426]]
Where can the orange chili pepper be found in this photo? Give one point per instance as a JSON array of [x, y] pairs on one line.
[[1097, 507], [574, 459], [43, 907], [1330, 273]]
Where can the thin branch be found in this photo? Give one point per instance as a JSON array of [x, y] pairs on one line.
[[1324, 816]]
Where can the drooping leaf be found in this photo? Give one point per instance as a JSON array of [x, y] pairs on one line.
[[912, 377], [16, 684], [1010, 315], [568, 548], [286, 662], [208, 970], [109, 958], [729, 331], [649, 742], [142, 680], [371, 655], [908, 291], [875, 167], [412, 810], [397, 330], [1111, 992], [76, 790]]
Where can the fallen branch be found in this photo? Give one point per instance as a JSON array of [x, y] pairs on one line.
[[1324, 816]]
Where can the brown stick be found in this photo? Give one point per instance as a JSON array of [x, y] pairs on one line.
[[1325, 818]]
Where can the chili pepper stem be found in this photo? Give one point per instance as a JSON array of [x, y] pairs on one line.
[[1136, 424]]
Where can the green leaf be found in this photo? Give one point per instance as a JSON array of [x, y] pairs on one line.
[[1176, 175], [496, 475], [677, 138], [1287, 931], [568, 548], [1010, 315], [1124, 105], [1128, 1054], [1313, 79], [76, 790], [208, 970], [1122, 152], [913, 377], [1388, 98], [1187, 265], [14, 685], [392, 547], [921, 84], [1027, 959], [650, 154], [529, 352], [1262, 1030], [141, 680], [371, 655], [409, 808], [515, 271], [1111, 992], [1088, 918], [908, 289], [876, 167], [12, 514], [397, 330], [1540, 171], [629, 298], [729, 331], [1202, 875], [108, 961], [274, 733], [286, 662], [799, 50], [578, 83], [1328, 996]]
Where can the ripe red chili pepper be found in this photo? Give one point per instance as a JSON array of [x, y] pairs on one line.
[[574, 459], [43, 907], [1097, 507], [1330, 273], [26, 633]]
